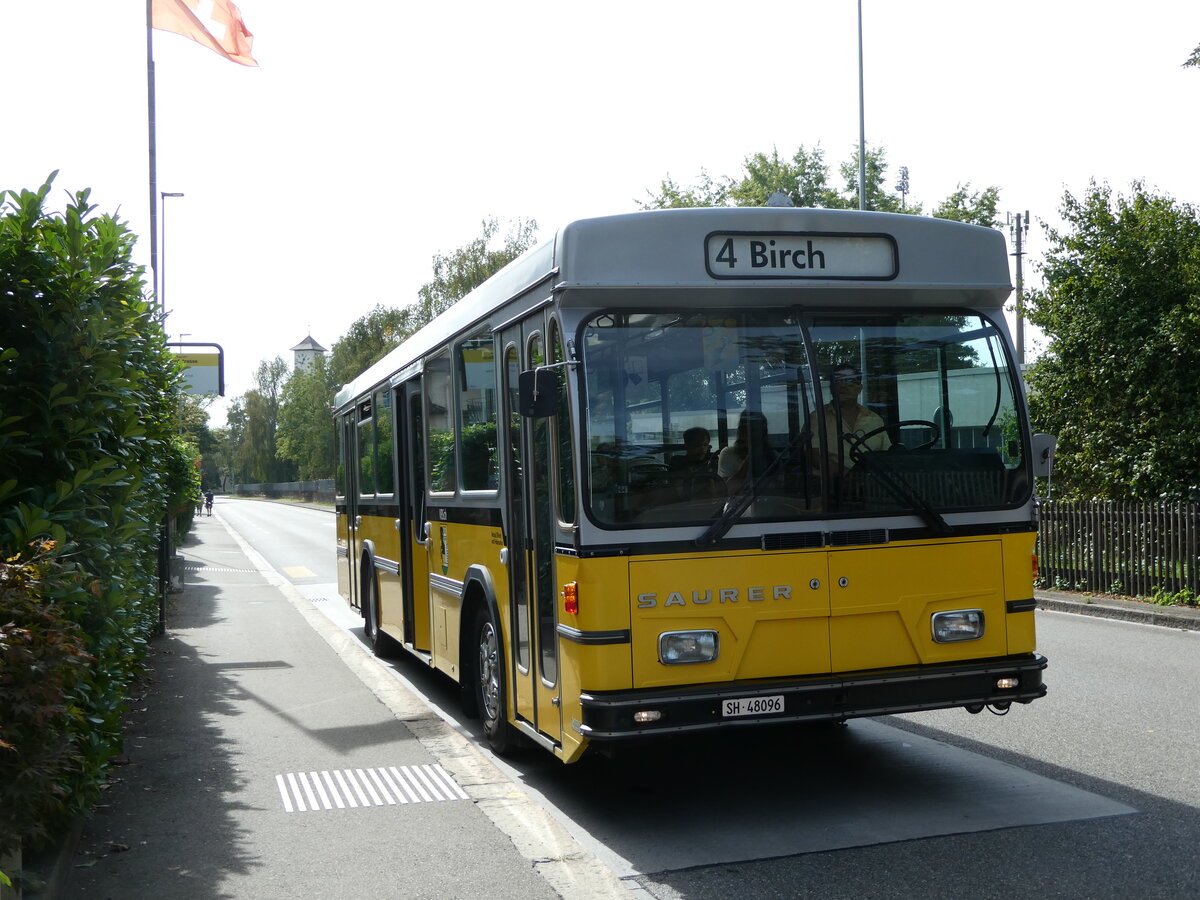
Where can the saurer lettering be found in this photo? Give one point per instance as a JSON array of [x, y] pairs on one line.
[[714, 595]]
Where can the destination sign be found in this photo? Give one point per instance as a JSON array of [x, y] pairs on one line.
[[801, 255]]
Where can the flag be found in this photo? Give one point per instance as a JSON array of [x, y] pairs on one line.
[[218, 26]]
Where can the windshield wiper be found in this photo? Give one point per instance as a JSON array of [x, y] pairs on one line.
[[873, 463], [734, 507], [746, 494]]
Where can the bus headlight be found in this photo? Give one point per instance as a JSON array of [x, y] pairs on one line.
[[958, 625], [677, 648]]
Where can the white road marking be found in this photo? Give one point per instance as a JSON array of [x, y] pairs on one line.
[[390, 786], [337, 797], [345, 788], [283, 792], [296, 792]]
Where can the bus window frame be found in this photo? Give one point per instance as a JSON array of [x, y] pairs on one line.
[[429, 368], [563, 419], [388, 422], [364, 421], [458, 376]]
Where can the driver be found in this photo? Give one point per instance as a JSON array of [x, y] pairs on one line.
[[846, 416]]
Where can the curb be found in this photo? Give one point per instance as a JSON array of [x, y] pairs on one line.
[[1185, 618]]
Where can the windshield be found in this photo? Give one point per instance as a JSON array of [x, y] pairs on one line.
[[705, 418]]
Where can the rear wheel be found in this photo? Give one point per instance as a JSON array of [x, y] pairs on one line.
[[491, 698], [380, 643]]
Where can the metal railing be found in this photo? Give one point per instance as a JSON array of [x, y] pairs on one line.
[[1120, 547]]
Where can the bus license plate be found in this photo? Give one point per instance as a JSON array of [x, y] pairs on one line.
[[752, 706]]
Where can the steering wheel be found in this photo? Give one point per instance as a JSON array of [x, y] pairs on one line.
[[858, 441]]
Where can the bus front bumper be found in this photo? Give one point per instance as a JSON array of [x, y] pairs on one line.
[[612, 715]]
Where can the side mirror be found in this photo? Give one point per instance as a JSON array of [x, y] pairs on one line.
[[537, 393], [1043, 446]]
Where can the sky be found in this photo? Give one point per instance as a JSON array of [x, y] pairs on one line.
[[375, 135]]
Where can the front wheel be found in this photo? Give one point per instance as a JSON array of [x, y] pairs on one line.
[[490, 694]]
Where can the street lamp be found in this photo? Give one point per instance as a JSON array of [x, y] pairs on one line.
[[162, 275]]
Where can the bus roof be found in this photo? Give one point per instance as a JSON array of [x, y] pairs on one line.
[[883, 258]]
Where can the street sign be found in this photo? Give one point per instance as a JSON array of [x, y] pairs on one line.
[[204, 372]]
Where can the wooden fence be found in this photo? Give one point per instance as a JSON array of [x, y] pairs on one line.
[[1136, 549]]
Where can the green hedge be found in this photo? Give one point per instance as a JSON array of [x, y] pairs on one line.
[[42, 660], [90, 464]]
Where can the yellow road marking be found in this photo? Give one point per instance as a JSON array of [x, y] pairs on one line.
[[298, 572]]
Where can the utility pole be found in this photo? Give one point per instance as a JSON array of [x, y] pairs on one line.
[[1019, 229]]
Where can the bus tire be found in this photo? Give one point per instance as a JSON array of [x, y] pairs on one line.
[[491, 697], [378, 640]]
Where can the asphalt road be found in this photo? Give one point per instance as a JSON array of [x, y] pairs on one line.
[[1090, 792], [267, 756]]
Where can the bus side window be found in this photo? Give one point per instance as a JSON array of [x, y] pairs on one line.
[[439, 423], [384, 457], [477, 413], [343, 425], [562, 428], [366, 451]]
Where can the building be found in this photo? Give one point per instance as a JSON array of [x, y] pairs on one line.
[[304, 353]]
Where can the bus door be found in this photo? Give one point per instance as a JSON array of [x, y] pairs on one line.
[[529, 534], [413, 523], [348, 547]]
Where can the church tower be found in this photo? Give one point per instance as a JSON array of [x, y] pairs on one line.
[[304, 353]]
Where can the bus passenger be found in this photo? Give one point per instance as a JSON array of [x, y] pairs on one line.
[[696, 457], [750, 454], [846, 416]]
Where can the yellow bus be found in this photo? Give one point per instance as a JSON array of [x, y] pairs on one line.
[[685, 470]]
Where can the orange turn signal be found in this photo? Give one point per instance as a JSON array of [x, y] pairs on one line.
[[570, 595]]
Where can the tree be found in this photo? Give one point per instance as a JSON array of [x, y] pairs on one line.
[[804, 178], [284, 425], [455, 275], [305, 430], [193, 425], [706, 192], [459, 273], [977, 209], [1194, 59], [367, 341], [229, 439], [878, 199], [1119, 381], [256, 454]]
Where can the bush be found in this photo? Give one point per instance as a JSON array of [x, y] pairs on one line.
[[89, 460], [41, 661]]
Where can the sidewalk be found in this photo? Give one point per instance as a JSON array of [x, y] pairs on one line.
[[258, 711]]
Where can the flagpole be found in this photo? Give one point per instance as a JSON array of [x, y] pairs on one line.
[[862, 122], [153, 155]]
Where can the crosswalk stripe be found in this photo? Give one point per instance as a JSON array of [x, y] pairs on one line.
[[360, 788]]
